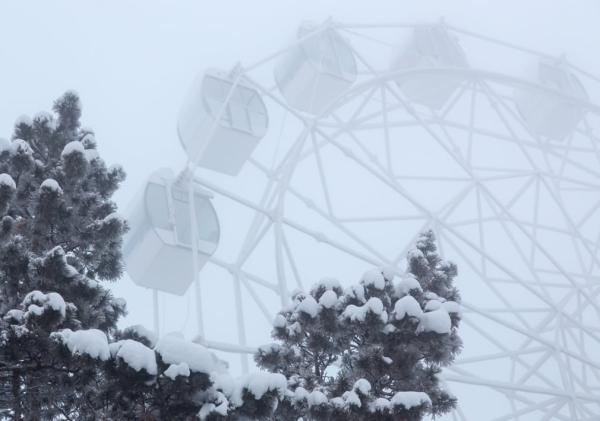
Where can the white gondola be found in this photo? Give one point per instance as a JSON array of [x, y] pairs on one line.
[[158, 248], [222, 144], [553, 115], [431, 47], [317, 70]]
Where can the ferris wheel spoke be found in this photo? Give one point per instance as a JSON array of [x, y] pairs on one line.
[[264, 310], [380, 257], [553, 191], [526, 285], [292, 262], [322, 178]]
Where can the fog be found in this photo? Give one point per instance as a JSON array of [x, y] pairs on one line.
[[133, 63]]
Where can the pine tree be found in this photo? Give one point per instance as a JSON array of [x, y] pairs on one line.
[[60, 240], [373, 351], [61, 354]]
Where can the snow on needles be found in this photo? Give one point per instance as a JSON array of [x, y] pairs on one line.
[[51, 184], [174, 350], [375, 278], [406, 400], [410, 400], [437, 321], [135, 354], [407, 306], [73, 147], [258, 384], [7, 180], [328, 299], [309, 306], [175, 370], [91, 342], [373, 305], [37, 303]]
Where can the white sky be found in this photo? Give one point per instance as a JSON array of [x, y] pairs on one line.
[[132, 61]]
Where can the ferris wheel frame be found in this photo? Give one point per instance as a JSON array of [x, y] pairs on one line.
[[269, 212]]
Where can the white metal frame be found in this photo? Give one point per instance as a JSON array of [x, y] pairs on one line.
[[566, 337]]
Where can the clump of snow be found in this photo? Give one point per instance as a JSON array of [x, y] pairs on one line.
[[363, 386], [389, 328], [175, 370], [257, 384], [309, 306], [373, 305], [415, 254], [379, 405], [7, 180], [351, 399], [338, 402], [388, 272], [143, 332], [437, 321], [430, 295], [135, 354], [452, 307], [279, 321], [73, 147], [23, 119], [91, 342], [316, 398], [329, 299], [15, 314], [387, 360], [407, 306], [210, 408], [37, 303], [356, 291], [174, 350], [328, 284], [407, 284], [433, 305], [19, 146], [300, 393], [410, 400], [374, 278], [51, 184]]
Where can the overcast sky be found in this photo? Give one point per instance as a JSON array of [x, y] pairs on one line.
[[132, 61]]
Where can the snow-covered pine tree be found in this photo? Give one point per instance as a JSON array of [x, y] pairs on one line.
[[61, 355], [378, 346], [174, 379], [59, 240]]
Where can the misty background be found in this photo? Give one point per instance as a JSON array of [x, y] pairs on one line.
[[132, 63]]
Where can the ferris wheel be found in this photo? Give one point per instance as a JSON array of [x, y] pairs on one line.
[[332, 154]]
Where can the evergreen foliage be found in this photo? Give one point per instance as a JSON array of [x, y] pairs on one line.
[[373, 351], [61, 354]]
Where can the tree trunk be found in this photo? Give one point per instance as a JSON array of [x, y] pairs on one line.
[[33, 391], [16, 392]]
